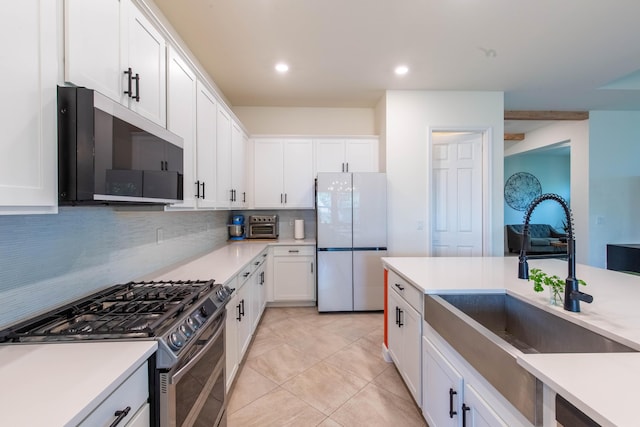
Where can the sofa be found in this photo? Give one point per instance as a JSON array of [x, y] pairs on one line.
[[541, 236]]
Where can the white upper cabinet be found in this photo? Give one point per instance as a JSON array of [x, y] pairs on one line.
[[224, 190], [238, 149], [125, 58], [207, 111], [28, 148], [181, 119], [283, 173], [346, 155]]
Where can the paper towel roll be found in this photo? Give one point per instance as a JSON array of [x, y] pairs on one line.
[[298, 229]]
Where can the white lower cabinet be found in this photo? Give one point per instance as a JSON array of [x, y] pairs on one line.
[[142, 418], [244, 311], [294, 273], [133, 393], [456, 395], [404, 327]]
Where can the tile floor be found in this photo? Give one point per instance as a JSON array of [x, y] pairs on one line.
[[310, 369]]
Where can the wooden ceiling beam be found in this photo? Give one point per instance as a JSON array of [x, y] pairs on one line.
[[545, 115], [514, 136]]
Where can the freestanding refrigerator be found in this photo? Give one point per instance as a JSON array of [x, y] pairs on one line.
[[351, 220]]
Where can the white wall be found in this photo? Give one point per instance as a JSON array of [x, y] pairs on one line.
[[614, 181], [577, 134], [381, 131], [409, 117], [307, 121]]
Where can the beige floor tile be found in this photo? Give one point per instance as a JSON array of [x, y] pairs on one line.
[[264, 340], [359, 360], [277, 409], [325, 387], [318, 343], [249, 386], [391, 380], [351, 327], [281, 363], [328, 422], [373, 406]]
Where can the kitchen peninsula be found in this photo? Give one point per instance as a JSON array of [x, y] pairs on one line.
[[600, 384]]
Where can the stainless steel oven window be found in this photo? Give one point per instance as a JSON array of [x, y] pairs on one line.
[[195, 388], [263, 230]]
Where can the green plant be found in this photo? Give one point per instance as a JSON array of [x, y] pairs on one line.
[[555, 284]]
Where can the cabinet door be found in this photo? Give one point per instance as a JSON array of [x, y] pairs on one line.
[[146, 55], [293, 278], [181, 118], [441, 388], [95, 65], [223, 158], [206, 113], [361, 155], [237, 166], [330, 155], [245, 324], [298, 173], [28, 148], [412, 350], [394, 333], [142, 418], [231, 339], [478, 412], [268, 173]]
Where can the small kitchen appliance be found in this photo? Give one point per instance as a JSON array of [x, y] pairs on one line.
[[263, 227], [236, 228]]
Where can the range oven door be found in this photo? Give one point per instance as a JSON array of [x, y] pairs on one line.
[[193, 392]]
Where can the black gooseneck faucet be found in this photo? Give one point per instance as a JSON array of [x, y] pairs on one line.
[[572, 295]]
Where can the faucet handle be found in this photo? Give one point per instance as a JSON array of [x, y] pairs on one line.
[[581, 296]]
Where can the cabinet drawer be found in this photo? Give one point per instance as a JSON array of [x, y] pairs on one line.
[[305, 250], [132, 393], [409, 293]]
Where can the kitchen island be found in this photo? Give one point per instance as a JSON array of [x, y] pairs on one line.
[[600, 385]]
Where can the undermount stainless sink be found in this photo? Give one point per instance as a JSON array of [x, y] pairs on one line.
[[491, 330]]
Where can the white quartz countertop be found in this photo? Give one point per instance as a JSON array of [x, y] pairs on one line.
[[60, 384], [601, 385], [224, 263]]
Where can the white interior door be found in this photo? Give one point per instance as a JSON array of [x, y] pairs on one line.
[[457, 194]]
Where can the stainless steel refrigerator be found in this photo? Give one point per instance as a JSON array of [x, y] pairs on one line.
[[351, 220]]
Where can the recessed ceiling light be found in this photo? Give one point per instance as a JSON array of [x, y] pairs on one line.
[[401, 70], [281, 67]]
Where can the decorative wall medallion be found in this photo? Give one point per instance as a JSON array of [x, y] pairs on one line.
[[521, 188]]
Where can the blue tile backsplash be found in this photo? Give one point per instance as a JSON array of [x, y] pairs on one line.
[[47, 260]]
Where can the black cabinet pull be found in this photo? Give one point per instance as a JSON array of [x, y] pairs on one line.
[[239, 317], [203, 189], [397, 315], [121, 416], [465, 408], [399, 287], [285, 198], [137, 79], [294, 251], [244, 197], [129, 73], [451, 411], [197, 189], [246, 274], [342, 167], [262, 278], [400, 324], [281, 198], [347, 167], [242, 309], [231, 195]]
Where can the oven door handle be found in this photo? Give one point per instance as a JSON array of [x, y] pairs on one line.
[[180, 373]]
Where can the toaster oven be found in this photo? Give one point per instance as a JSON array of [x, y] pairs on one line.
[[263, 227]]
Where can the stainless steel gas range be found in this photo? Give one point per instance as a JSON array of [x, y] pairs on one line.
[[186, 318]]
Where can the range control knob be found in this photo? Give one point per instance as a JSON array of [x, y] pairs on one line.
[[175, 341], [194, 322], [186, 330], [204, 312], [221, 294]]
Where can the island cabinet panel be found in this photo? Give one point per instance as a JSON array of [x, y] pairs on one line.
[[442, 388], [404, 329]]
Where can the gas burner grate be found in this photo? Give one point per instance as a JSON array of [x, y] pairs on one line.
[[131, 310]]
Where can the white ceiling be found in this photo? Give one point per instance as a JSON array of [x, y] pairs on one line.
[[544, 54]]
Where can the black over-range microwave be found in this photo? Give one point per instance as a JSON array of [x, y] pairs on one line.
[[110, 154]]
